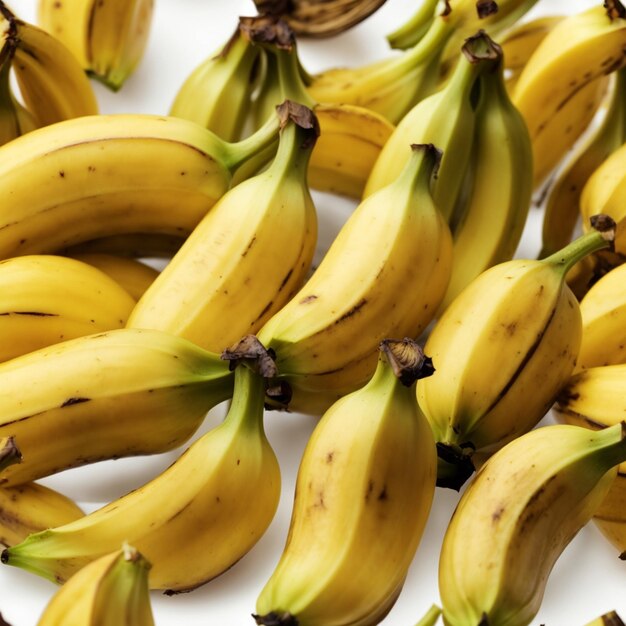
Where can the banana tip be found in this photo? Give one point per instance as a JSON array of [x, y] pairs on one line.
[[276, 619], [454, 465], [4, 556], [605, 225]]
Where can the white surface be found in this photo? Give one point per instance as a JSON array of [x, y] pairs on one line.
[[587, 581]]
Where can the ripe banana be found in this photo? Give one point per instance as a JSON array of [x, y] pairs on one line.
[[47, 299], [132, 275], [248, 256], [120, 393], [113, 174], [217, 93], [489, 222], [108, 38], [51, 81], [562, 209], [523, 312], [384, 275], [608, 619], [110, 591], [521, 511], [193, 521], [30, 508], [363, 495], [558, 91]]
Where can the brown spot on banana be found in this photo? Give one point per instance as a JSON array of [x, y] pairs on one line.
[[71, 401]]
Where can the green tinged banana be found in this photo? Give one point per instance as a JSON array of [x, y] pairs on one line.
[[363, 494]]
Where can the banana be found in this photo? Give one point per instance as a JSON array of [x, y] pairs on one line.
[[248, 256], [114, 174], [119, 393], [558, 91], [410, 33], [217, 93], [521, 511], [445, 119], [30, 508], [562, 208], [52, 84], [492, 217], [351, 137], [47, 299], [193, 521], [132, 275], [384, 275], [363, 495], [523, 312], [108, 38], [431, 618], [112, 591], [608, 619]]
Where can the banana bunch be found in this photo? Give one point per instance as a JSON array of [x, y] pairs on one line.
[[107, 38], [112, 591], [564, 81], [503, 349], [193, 521], [119, 393], [46, 299], [51, 81], [608, 619], [516, 518], [384, 275], [363, 494], [562, 208], [114, 174], [248, 256]]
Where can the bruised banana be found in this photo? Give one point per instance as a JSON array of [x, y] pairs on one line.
[[52, 84], [193, 521], [523, 312], [120, 393], [107, 38], [248, 256], [46, 299], [384, 275], [562, 208], [363, 495], [111, 591], [521, 511], [351, 137], [558, 91], [114, 174]]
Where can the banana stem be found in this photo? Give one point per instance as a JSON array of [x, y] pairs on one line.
[[262, 142], [246, 409], [415, 28], [291, 84], [431, 617], [426, 48]]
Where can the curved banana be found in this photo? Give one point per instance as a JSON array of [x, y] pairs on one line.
[[217, 93], [516, 518], [120, 393], [51, 81], [384, 275], [47, 299], [524, 312], [248, 256], [132, 275], [558, 91], [113, 174], [363, 495], [108, 38], [193, 521], [562, 208], [111, 590]]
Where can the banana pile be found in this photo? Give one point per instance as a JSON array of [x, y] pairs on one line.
[[426, 344]]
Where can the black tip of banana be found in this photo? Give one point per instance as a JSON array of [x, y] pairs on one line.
[[481, 47], [407, 359], [615, 9], [485, 8], [253, 354], [303, 117], [268, 29], [455, 465], [606, 226], [4, 557], [275, 619], [278, 395]]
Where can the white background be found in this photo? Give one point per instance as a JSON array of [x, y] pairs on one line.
[[587, 581]]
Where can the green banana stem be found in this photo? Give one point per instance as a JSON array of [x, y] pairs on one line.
[[611, 444], [412, 31], [292, 86], [421, 168], [431, 617], [246, 409]]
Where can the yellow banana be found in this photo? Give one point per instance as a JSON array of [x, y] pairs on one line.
[[523, 312], [558, 91], [47, 299], [113, 174], [108, 38], [608, 619], [384, 275], [193, 521], [516, 518], [120, 393], [248, 256], [112, 591], [132, 275], [363, 495]]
